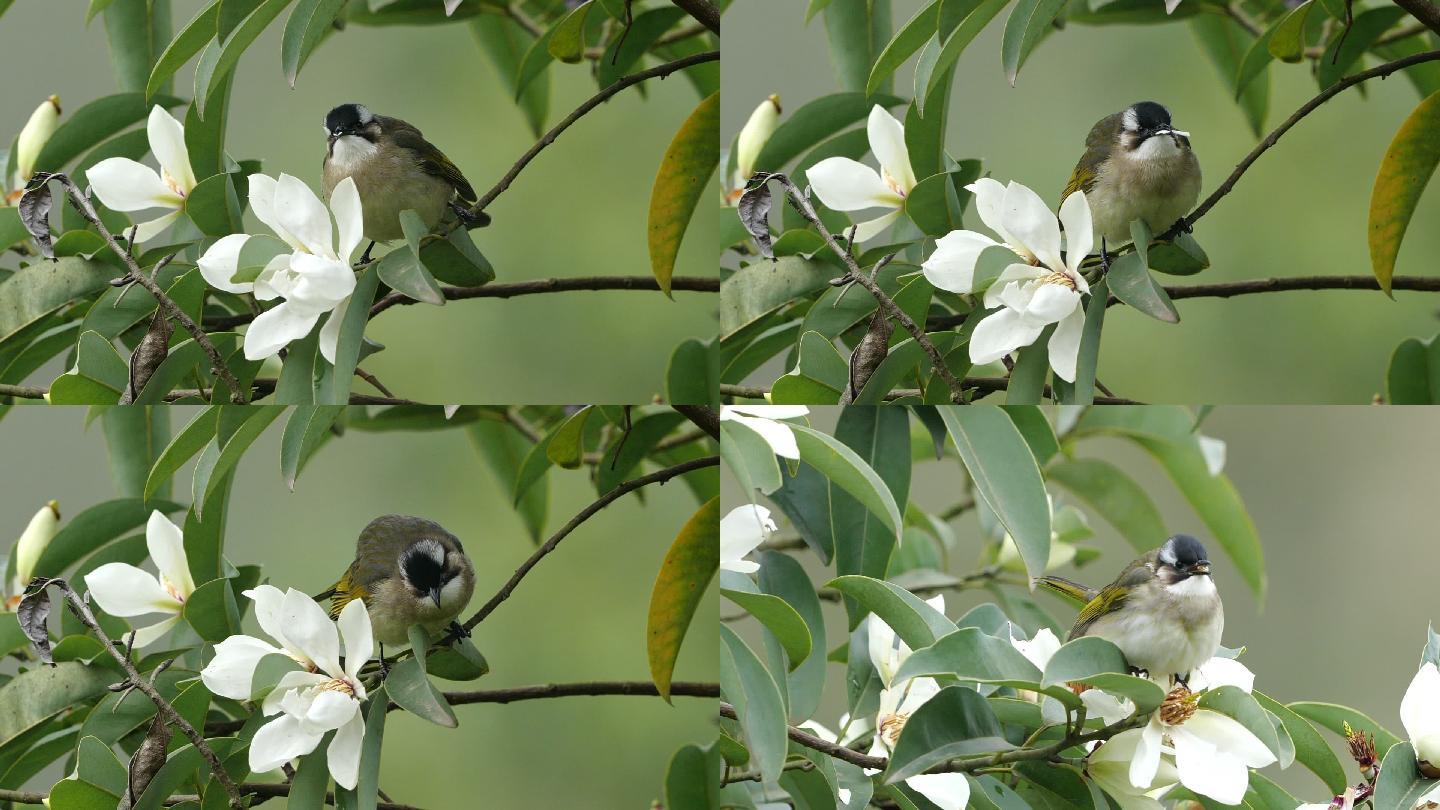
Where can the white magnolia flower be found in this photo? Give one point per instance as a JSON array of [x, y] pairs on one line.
[[32, 139], [1213, 753], [324, 696], [1420, 714], [1171, 5], [1039, 650], [761, 419], [848, 185], [1046, 288], [752, 138], [125, 185], [1218, 672], [121, 589], [38, 534], [314, 279], [1213, 450], [1109, 765], [744, 528]]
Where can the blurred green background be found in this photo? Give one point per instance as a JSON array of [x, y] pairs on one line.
[[1343, 500], [1300, 210], [579, 616], [578, 210]]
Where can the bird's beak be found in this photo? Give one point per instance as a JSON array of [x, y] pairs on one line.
[[1202, 567], [435, 595]]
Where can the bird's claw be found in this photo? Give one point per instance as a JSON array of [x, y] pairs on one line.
[[457, 632]]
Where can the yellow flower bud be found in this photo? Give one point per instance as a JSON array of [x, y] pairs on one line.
[[33, 137], [32, 543], [753, 137]]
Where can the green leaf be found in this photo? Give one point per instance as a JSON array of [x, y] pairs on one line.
[[916, 623], [684, 170], [1257, 58], [1032, 366], [1006, 477], [31, 294], [1400, 785], [692, 375], [232, 46], [367, 790], [187, 43], [205, 141], [784, 577], [1236, 703], [1334, 717], [34, 696], [97, 378], [412, 691], [1097, 662], [133, 440], [848, 471], [1027, 24], [1181, 257], [974, 22], [623, 54], [1311, 750], [956, 722], [1404, 172], [1343, 52], [460, 661], [566, 447], [1131, 282], [693, 778], [456, 260], [879, 437], [93, 528], [567, 38], [297, 371], [752, 690], [307, 789], [505, 44], [190, 440], [1226, 44], [93, 123], [1413, 377], [911, 37], [214, 207], [403, 271], [625, 454], [1287, 39], [971, 655], [212, 612], [1115, 496], [135, 31], [307, 27], [679, 587], [755, 291], [749, 458], [335, 389], [75, 794], [814, 122], [536, 59], [256, 419], [505, 451], [774, 613]]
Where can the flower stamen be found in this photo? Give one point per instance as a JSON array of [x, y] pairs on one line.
[[891, 725], [1180, 705], [1062, 279]]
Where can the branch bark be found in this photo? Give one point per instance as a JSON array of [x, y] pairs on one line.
[[1230, 289], [702, 417], [1424, 11], [264, 790], [982, 385], [261, 386], [703, 11]]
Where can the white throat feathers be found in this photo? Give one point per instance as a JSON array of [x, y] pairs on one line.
[[350, 152]]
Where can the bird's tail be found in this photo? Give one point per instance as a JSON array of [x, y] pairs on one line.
[[1080, 594]]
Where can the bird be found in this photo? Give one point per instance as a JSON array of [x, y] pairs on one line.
[[408, 571], [1163, 611], [394, 168], [1136, 165]]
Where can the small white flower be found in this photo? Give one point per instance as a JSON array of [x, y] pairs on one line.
[[125, 185], [38, 534], [123, 590], [1039, 650], [752, 139], [848, 185], [744, 528], [323, 697], [1420, 713], [1213, 754], [315, 279], [1047, 288], [1218, 672], [1171, 5], [761, 419], [32, 139], [1109, 765]]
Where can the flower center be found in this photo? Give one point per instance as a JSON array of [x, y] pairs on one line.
[[172, 183], [172, 589], [892, 182], [891, 725], [1179, 706], [1062, 279], [340, 685]]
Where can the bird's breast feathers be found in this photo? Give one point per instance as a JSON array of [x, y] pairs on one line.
[[1167, 630], [1158, 184]]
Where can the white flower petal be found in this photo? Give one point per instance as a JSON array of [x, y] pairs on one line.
[[1038, 650], [322, 282], [274, 328], [167, 548], [279, 741], [990, 205], [221, 261], [869, 229], [262, 202], [1010, 281], [294, 693], [1052, 302], [741, 530], [887, 143], [952, 265], [330, 331], [917, 692], [775, 434], [150, 229], [270, 613], [1226, 734], [1079, 229], [1106, 706], [344, 752], [882, 648], [124, 590], [1000, 334], [1218, 672], [167, 143], [124, 185], [848, 185], [949, 791], [307, 626], [1420, 708], [330, 710], [345, 204], [354, 625], [37, 536], [231, 671], [149, 634], [1146, 760], [304, 215], [1030, 221], [1065, 344], [1208, 771]]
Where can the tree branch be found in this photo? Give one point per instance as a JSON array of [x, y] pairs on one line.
[[702, 417], [1310, 106], [260, 387], [87, 210], [1424, 11], [703, 11], [657, 477], [983, 385], [802, 204], [82, 611], [1230, 289], [262, 789]]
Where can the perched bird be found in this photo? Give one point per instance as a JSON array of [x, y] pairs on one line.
[[409, 571], [1163, 611], [1136, 166], [394, 168]]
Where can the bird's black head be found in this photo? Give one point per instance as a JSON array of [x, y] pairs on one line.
[[1185, 555], [424, 568], [1146, 119], [349, 119]]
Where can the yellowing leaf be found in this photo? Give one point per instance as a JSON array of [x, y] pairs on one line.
[[687, 165], [1404, 171], [688, 567]]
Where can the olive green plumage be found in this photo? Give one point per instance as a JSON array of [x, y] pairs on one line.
[[1097, 603]]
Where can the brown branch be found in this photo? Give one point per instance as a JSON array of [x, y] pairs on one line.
[[1424, 11], [702, 417], [263, 789], [82, 203], [983, 385], [703, 11], [81, 609], [657, 477], [1309, 107], [260, 387], [1230, 289]]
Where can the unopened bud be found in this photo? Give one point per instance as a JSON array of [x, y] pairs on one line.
[[33, 138], [32, 543], [753, 137]]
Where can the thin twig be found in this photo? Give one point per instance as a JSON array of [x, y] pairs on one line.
[[982, 385], [657, 477], [260, 387], [1309, 107], [82, 203], [703, 11], [1230, 289], [82, 611], [1424, 11]]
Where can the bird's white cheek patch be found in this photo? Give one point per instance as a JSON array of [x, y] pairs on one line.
[[452, 594], [350, 151]]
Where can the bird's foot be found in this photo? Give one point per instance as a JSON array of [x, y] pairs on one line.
[[384, 665], [1182, 680], [1182, 225], [365, 257], [470, 219], [1104, 258], [457, 632], [1139, 673]]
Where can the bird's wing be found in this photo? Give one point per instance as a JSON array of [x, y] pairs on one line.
[[347, 590], [1112, 597], [432, 160], [1097, 143], [1080, 594]]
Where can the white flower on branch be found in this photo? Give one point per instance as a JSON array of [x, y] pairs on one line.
[[1109, 765], [1039, 650], [314, 279], [32, 139], [753, 136], [1213, 753], [849, 185], [38, 533], [126, 185], [741, 531], [322, 697], [121, 589], [1420, 714], [762, 420], [1046, 288]]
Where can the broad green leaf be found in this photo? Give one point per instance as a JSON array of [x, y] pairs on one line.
[[367, 792], [190, 440], [848, 471], [784, 577], [805, 499], [1413, 377], [297, 370], [692, 375], [911, 37], [566, 447], [505, 44], [1027, 24], [1287, 40], [856, 30], [187, 43], [31, 294], [819, 376], [778, 617], [1100, 664], [212, 612], [625, 454], [1226, 44], [752, 690], [1032, 366], [684, 170], [1344, 52], [880, 438], [97, 378], [308, 25], [1115, 496], [135, 30], [1006, 477], [537, 58], [335, 388], [1311, 750], [76, 794], [932, 205], [307, 789], [1181, 257], [1404, 172], [401, 270], [1334, 717], [954, 723], [213, 205], [567, 39], [1236, 703], [34, 696], [505, 450], [134, 438], [93, 123], [749, 458], [456, 260], [955, 43], [1131, 282], [814, 122], [622, 55], [971, 655], [680, 585], [1046, 784], [905, 360], [234, 447], [460, 661], [758, 289], [1257, 58], [916, 623], [232, 46], [1400, 785], [693, 778], [412, 691]]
